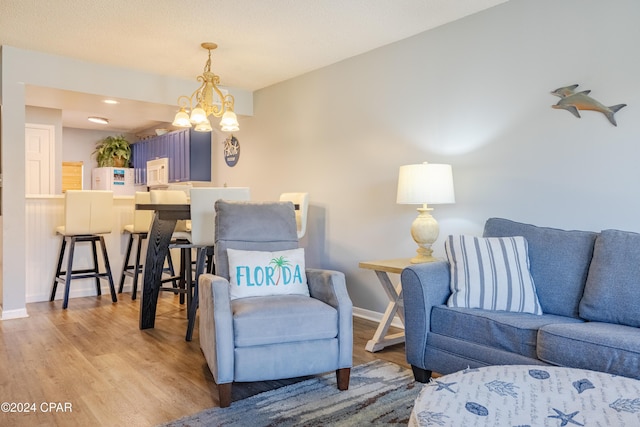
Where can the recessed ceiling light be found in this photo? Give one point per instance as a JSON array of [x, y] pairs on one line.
[[100, 120], [110, 101]]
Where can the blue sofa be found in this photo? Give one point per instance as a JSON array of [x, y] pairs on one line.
[[587, 283]]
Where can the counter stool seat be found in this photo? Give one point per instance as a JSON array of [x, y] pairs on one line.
[[88, 216]]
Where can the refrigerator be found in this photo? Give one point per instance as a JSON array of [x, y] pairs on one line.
[[118, 180]]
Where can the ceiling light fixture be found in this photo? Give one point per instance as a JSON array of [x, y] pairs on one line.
[[99, 120], [209, 101], [110, 101]]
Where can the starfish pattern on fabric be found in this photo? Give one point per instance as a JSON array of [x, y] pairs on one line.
[[444, 386], [566, 418]]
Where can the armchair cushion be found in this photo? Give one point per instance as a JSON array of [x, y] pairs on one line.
[[491, 273], [280, 319], [263, 273]]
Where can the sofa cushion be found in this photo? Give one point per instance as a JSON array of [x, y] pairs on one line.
[[491, 273], [598, 346], [559, 262], [612, 291], [514, 332], [283, 318]]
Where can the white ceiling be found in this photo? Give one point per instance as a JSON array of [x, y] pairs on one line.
[[261, 42]]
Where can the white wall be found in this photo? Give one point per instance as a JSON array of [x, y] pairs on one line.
[[78, 146], [53, 117], [72, 145], [474, 93]]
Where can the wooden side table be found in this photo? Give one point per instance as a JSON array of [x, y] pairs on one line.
[[382, 268]]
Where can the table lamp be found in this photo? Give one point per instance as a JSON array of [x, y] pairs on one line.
[[423, 184]]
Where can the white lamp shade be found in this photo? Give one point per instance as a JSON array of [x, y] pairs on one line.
[[182, 119], [425, 183], [229, 122], [203, 127], [198, 115]]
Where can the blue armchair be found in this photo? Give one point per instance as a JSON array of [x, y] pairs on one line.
[[270, 337]]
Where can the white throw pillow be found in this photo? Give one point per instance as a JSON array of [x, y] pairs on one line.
[[491, 273], [258, 273]]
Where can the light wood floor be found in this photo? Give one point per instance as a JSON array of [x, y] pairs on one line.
[[93, 360]]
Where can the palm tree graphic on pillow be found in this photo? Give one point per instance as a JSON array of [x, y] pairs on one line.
[[279, 262]]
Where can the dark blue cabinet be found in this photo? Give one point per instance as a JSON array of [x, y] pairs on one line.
[[188, 151]]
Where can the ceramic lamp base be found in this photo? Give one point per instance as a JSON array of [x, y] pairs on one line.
[[425, 231]]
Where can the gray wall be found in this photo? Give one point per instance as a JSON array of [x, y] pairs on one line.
[[473, 93]]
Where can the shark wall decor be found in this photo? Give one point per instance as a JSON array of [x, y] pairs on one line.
[[573, 101]]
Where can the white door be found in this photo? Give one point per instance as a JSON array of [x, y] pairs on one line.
[[39, 143]]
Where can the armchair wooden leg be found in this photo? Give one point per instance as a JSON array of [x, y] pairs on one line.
[[224, 393], [342, 376]]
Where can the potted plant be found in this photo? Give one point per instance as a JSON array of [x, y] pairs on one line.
[[113, 151]]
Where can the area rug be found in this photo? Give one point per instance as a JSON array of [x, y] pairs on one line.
[[380, 393]]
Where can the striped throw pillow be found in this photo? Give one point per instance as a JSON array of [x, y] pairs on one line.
[[491, 273]]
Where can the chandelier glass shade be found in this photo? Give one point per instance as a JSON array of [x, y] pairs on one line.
[[207, 100]]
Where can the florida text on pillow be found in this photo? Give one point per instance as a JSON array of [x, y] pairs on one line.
[[261, 273]]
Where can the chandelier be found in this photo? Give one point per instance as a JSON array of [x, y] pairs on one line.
[[209, 101]]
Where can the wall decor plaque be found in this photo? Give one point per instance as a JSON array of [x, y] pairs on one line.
[[231, 151]]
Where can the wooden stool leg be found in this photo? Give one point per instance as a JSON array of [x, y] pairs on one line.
[[125, 265], [200, 261], [211, 268], [67, 280], [136, 274], [107, 266], [172, 270], [54, 288], [96, 270], [188, 278], [183, 274]]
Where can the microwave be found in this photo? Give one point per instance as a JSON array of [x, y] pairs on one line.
[[158, 172]]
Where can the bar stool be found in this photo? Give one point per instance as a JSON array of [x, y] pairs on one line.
[[301, 201], [87, 216], [138, 232], [203, 219]]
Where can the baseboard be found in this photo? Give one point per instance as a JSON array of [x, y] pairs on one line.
[[13, 314], [76, 292], [375, 316]]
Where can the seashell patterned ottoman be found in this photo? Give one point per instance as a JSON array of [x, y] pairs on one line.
[[523, 395]]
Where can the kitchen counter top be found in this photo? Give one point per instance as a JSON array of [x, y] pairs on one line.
[[61, 196]]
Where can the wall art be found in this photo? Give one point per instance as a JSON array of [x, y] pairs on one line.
[[573, 102], [231, 151]]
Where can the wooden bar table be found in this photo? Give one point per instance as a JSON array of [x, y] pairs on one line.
[[380, 338], [159, 237]]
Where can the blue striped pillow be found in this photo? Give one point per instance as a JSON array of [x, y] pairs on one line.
[[491, 273]]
